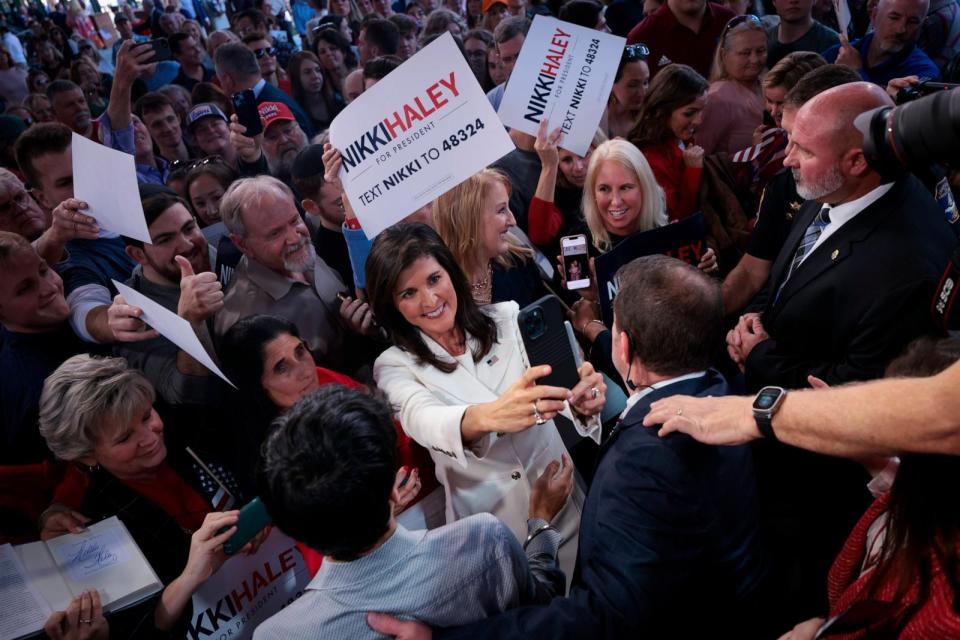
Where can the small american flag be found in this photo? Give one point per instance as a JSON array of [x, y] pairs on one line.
[[492, 361]]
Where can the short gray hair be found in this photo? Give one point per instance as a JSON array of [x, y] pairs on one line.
[[83, 396], [236, 60], [511, 28], [248, 191]]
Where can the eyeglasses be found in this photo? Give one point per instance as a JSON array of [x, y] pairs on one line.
[[272, 51], [638, 51], [736, 22]]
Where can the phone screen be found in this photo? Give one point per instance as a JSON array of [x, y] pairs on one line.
[[576, 261]]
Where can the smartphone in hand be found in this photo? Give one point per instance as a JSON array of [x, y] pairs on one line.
[[576, 261], [253, 519], [245, 104]]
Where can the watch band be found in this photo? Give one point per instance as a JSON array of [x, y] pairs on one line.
[[765, 426]]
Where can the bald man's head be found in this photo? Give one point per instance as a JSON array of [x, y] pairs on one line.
[[897, 25], [826, 149]]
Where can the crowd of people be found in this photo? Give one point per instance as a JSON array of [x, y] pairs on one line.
[[372, 379]]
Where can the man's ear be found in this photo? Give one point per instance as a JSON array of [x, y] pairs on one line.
[[310, 206], [136, 254], [241, 244], [856, 162]]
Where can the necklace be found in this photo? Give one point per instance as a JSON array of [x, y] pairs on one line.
[[482, 290]]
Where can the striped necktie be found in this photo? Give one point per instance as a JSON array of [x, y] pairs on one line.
[[810, 237]]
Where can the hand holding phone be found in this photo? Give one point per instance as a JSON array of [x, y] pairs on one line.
[[161, 50], [245, 104], [252, 520], [548, 338]]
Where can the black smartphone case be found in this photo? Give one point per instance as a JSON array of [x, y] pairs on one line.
[[547, 341], [246, 105]]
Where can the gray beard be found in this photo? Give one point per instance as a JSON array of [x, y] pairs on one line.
[[305, 265], [823, 186]]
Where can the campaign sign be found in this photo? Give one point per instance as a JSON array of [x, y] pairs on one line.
[[684, 240], [564, 76], [415, 135], [247, 590]]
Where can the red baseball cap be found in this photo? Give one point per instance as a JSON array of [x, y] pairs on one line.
[[271, 112], [489, 3]]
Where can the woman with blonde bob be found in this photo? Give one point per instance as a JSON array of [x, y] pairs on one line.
[[620, 195], [474, 221], [734, 101]]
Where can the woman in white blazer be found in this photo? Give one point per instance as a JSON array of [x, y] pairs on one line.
[[459, 380]]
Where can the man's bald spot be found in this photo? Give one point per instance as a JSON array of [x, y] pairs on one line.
[[831, 113]]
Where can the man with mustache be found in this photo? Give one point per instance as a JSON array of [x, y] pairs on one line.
[[175, 272], [890, 51], [272, 152], [280, 273]]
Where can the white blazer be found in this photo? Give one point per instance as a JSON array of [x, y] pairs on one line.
[[496, 473]]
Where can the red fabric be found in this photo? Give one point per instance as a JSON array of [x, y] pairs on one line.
[[178, 499], [669, 41], [680, 183], [26, 490], [845, 586], [285, 86], [544, 221]]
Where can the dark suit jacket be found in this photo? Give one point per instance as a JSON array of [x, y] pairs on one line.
[[270, 93], [668, 542], [859, 298]]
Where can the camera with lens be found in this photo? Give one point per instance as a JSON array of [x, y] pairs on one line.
[[916, 134], [921, 89]]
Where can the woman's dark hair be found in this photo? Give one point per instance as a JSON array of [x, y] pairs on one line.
[[332, 36], [923, 521], [393, 251], [585, 13], [300, 94], [675, 86], [242, 355], [327, 470], [217, 169]]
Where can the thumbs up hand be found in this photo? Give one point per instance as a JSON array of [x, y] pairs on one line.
[[201, 294]]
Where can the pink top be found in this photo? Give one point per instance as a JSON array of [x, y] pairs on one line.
[[732, 114]]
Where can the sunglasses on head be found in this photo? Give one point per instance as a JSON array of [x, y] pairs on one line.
[[637, 51], [272, 51], [737, 21], [190, 165]]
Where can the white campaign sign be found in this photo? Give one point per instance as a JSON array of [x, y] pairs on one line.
[[564, 75], [415, 135], [247, 590]]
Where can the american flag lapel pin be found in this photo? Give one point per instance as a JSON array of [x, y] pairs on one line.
[[493, 360]]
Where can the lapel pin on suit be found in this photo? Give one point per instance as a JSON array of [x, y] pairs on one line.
[[833, 256], [492, 361]]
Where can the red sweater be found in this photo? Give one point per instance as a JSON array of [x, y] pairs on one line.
[[680, 183], [845, 586]]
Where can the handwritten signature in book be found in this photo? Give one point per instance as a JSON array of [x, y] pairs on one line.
[[90, 555]]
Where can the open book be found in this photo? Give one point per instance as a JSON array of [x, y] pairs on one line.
[[39, 578]]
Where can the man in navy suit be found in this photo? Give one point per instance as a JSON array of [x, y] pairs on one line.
[[238, 70], [668, 538]]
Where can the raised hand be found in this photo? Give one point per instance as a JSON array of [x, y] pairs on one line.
[[201, 294]]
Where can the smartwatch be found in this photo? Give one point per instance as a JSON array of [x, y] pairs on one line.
[[765, 405]]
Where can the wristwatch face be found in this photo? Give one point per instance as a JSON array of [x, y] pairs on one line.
[[767, 398]]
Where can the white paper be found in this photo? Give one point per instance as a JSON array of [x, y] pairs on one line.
[[564, 74], [106, 558], [171, 326], [22, 609], [44, 575], [416, 134], [106, 179], [247, 590], [91, 555], [843, 14]]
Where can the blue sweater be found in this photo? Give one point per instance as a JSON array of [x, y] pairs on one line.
[[909, 62]]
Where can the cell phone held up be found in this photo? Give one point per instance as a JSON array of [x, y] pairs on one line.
[[548, 339], [576, 261], [252, 520], [161, 50], [245, 104]]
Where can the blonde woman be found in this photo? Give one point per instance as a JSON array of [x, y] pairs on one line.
[[734, 101], [474, 220]]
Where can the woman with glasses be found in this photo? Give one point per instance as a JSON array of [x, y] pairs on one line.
[[735, 101], [311, 89], [629, 87]]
